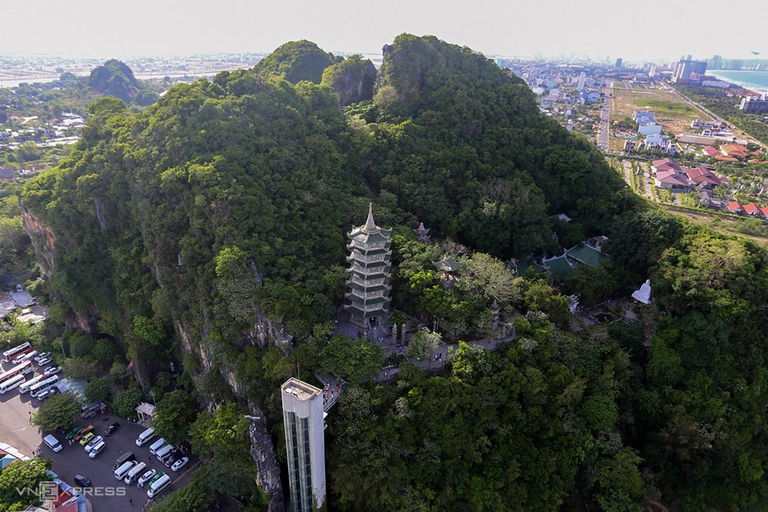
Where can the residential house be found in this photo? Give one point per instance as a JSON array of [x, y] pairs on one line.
[[709, 151], [734, 151], [734, 207], [708, 200], [752, 209], [665, 164]]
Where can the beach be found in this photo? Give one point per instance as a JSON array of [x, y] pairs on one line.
[[753, 80]]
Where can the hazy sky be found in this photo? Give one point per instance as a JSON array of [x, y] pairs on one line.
[[649, 29]]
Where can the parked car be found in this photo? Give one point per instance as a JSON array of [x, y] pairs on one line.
[[179, 463], [74, 432], [146, 477], [82, 481], [42, 355], [82, 432], [86, 438], [51, 370], [93, 442], [173, 457], [44, 361], [112, 429]]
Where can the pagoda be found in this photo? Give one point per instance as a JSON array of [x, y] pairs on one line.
[[369, 269], [422, 233]]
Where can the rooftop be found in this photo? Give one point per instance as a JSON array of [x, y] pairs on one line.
[[300, 389]]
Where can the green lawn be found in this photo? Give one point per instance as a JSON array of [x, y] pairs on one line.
[[667, 107]]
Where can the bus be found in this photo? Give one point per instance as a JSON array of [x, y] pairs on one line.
[[25, 387], [26, 357], [18, 356], [15, 350], [11, 383], [43, 385], [23, 369]]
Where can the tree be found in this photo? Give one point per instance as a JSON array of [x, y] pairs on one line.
[[81, 345], [126, 400], [223, 435], [79, 368], [196, 495], [19, 483], [423, 343], [118, 372], [173, 415], [105, 350], [97, 390], [58, 411], [354, 359]]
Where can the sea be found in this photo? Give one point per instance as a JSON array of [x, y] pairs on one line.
[[753, 80]]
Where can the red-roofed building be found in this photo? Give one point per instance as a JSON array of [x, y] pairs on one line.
[[752, 209], [710, 151], [764, 211], [734, 150], [672, 180], [702, 175], [734, 207], [726, 158], [753, 161], [665, 164]]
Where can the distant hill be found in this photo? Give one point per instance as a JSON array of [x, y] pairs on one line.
[[353, 79], [115, 78], [296, 61]]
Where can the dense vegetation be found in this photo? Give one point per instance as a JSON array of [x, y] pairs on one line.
[[217, 216], [115, 78], [726, 106]]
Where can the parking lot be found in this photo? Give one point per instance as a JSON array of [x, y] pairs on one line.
[[73, 459], [106, 494]]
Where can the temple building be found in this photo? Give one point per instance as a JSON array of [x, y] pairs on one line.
[[422, 233], [369, 271]]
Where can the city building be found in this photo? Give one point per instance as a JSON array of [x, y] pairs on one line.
[[304, 444], [642, 117], [717, 62], [368, 282], [754, 105], [619, 62], [685, 68], [582, 81]]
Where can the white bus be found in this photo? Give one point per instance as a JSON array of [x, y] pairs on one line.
[[31, 382], [8, 354], [23, 369], [159, 486], [26, 357], [43, 385], [19, 356], [11, 383]]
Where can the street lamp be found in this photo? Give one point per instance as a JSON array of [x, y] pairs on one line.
[[61, 344]]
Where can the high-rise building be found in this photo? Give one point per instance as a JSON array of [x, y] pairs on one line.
[[717, 62], [304, 444], [619, 62], [369, 270], [685, 68], [582, 80]]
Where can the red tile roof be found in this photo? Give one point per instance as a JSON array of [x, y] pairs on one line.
[[764, 211], [665, 164], [733, 206], [727, 158], [710, 151], [673, 178], [736, 150], [751, 208], [702, 175]]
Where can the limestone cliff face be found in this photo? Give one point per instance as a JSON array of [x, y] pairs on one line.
[[43, 242], [353, 79]]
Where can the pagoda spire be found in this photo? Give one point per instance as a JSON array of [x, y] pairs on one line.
[[370, 226]]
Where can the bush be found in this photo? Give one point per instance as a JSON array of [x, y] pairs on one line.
[[81, 345], [58, 411], [80, 368]]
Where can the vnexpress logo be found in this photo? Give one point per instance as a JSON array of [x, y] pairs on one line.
[[48, 490]]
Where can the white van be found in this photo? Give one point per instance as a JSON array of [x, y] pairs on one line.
[[135, 473], [124, 469], [159, 486], [164, 452], [52, 443], [145, 436], [156, 446], [96, 450]]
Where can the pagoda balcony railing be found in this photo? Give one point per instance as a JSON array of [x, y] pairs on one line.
[[361, 245], [368, 271], [368, 282], [369, 295], [370, 259]]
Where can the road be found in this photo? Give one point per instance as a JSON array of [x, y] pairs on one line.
[[15, 411], [603, 131]]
